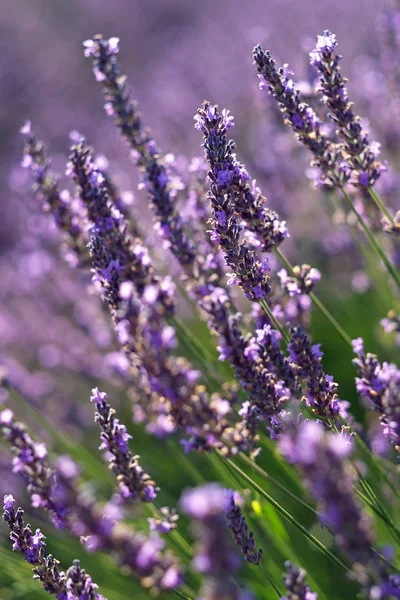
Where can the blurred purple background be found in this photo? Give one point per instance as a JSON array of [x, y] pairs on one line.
[[176, 53]]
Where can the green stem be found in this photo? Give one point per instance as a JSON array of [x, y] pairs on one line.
[[371, 238], [274, 321], [268, 576], [289, 517], [378, 201], [180, 594], [324, 310], [280, 486]]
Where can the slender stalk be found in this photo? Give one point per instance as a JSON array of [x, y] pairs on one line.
[[289, 517], [371, 238], [274, 321], [324, 310], [180, 594], [268, 576], [280, 486], [380, 204]]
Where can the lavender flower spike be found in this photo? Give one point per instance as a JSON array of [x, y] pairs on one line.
[[320, 388], [133, 481], [240, 531], [76, 584], [30, 461], [48, 190], [119, 104], [359, 151], [301, 118], [296, 587], [80, 584], [247, 200], [248, 271], [379, 384], [321, 458], [207, 505]]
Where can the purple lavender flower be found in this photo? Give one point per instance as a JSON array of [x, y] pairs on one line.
[[240, 531], [296, 587], [226, 173], [76, 584], [244, 262], [301, 118], [68, 220], [145, 556], [165, 522], [30, 461], [321, 458], [303, 282], [379, 384], [127, 257], [119, 104], [133, 481], [80, 585], [215, 557], [320, 388], [267, 392], [360, 153]]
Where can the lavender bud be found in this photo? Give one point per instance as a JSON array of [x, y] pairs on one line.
[[80, 584], [303, 282]]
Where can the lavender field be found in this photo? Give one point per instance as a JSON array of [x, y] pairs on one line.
[[199, 300]]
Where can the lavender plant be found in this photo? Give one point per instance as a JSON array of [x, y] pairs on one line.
[[236, 392]]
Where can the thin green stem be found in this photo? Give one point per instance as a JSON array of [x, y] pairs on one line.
[[280, 486], [324, 310], [371, 238], [271, 581], [180, 594], [372, 459], [274, 321], [289, 517], [380, 204]]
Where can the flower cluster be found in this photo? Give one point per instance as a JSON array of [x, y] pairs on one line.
[[321, 458], [248, 271], [30, 460], [76, 584], [307, 127], [320, 388], [69, 217], [144, 151], [240, 531], [296, 588], [214, 557], [379, 384], [359, 152], [303, 282], [134, 482]]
